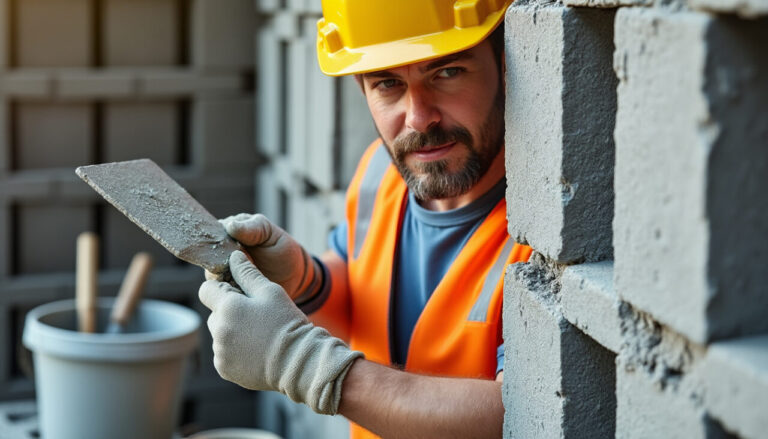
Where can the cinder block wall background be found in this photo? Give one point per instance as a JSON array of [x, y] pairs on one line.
[[637, 156], [89, 81]]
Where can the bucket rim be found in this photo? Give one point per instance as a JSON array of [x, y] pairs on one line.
[[46, 339]]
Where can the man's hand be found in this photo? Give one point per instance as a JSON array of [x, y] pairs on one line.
[[262, 341], [275, 252]]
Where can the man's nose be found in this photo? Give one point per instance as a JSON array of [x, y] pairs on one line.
[[422, 113]]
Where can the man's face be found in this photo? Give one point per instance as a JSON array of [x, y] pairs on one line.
[[442, 120]]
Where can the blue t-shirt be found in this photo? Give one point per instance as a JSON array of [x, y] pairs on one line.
[[429, 242]]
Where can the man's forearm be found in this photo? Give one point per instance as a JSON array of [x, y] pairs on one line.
[[393, 403]]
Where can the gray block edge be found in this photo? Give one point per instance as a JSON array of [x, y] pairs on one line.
[[590, 303], [736, 376], [742, 8]]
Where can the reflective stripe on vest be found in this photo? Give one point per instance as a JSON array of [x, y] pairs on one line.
[[479, 312], [368, 188]]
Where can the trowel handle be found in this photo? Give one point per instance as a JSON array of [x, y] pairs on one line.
[[87, 281], [132, 287]]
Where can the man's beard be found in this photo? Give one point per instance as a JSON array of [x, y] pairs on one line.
[[432, 180]]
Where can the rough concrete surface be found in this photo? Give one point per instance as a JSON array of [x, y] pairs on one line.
[[646, 409], [559, 382], [743, 8], [689, 228], [156, 203], [590, 303], [560, 110], [736, 373], [661, 353]]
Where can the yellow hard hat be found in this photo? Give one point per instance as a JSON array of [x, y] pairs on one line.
[[358, 36]]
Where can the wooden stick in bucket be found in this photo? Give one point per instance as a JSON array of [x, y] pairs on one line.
[[87, 281]]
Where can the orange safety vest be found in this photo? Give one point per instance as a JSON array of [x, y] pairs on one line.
[[460, 328]]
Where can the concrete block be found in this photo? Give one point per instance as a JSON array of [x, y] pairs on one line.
[[184, 82], [86, 84], [52, 135], [357, 130], [558, 382], [321, 115], [223, 34], [223, 203], [267, 193], [5, 46], [297, 137], [5, 140], [223, 133], [53, 33], [28, 84], [157, 44], [314, 7], [123, 239], [6, 233], [45, 185], [591, 304], [689, 226], [272, 95], [134, 130], [286, 25], [560, 109], [312, 218], [46, 235], [267, 6], [285, 175], [743, 8], [736, 373], [646, 409]]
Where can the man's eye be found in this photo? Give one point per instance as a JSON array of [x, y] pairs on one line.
[[385, 84], [449, 72]]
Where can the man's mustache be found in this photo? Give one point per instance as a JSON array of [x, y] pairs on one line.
[[435, 136]]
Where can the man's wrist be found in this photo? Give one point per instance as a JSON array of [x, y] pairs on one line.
[[315, 285]]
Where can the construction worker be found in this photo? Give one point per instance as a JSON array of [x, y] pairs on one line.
[[413, 280]]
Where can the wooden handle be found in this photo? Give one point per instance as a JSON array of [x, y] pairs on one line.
[[132, 287], [87, 281]]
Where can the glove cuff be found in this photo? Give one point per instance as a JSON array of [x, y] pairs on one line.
[[312, 367], [328, 404], [313, 281]]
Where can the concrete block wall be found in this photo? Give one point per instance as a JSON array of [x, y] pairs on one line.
[[636, 154], [89, 81]]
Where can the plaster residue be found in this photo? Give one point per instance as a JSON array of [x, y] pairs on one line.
[[164, 210], [665, 356], [540, 276]]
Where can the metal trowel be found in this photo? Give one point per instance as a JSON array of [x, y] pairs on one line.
[[163, 209]]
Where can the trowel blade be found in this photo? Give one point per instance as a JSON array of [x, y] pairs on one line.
[[161, 207]]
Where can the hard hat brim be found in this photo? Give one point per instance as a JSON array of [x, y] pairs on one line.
[[383, 56]]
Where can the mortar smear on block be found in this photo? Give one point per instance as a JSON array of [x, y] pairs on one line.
[[144, 193]]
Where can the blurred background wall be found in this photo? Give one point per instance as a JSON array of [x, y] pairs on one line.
[[225, 95]]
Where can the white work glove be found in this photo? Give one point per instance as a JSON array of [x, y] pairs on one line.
[[276, 253], [262, 341]]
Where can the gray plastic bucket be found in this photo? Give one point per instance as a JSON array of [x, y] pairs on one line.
[[97, 386]]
